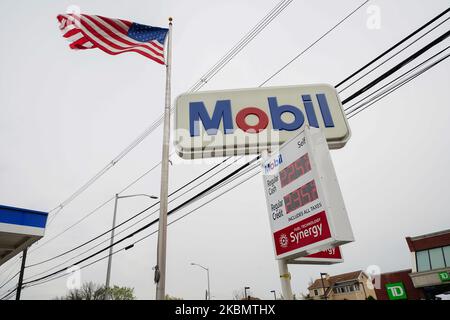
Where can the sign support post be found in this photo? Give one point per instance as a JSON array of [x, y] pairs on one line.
[[285, 279]]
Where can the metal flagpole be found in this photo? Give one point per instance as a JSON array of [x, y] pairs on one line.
[[160, 268]]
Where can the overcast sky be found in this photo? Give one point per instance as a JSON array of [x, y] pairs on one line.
[[66, 114]]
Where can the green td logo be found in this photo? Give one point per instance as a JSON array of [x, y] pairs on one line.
[[396, 291], [444, 276]]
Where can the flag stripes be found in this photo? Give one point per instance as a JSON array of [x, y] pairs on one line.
[[110, 35]]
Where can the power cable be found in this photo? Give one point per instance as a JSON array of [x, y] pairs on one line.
[[395, 79], [393, 56], [395, 87], [394, 46], [314, 43], [398, 66], [194, 89], [373, 83], [283, 4], [122, 223]]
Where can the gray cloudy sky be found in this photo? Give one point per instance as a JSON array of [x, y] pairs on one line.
[[66, 114]]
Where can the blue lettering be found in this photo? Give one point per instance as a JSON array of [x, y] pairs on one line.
[[310, 113], [222, 111], [325, 109], [276, 112]]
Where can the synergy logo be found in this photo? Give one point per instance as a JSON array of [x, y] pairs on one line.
[[283, 240], [273, 164]]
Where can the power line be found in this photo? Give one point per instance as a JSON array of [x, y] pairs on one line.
[[395, 79], [195, 88], [137, 222], [137, 231], [209, 75], [9, 280], [409, 79], [106, 232], [393, 56], [314, 43], [373, 83], [154, 221], [263, 23], [8, 294], [398, 66], [395, 87], [122, 223], [112, 198], [242, 43], [394, 46]]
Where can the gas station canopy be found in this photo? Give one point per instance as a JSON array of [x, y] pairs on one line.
[[19, 229]]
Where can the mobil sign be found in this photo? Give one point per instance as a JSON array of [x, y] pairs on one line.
[[247, 121]]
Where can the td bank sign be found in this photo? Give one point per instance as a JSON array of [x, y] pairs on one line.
[[396, 291]]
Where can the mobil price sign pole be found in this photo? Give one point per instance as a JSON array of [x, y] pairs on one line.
[[305, 205]]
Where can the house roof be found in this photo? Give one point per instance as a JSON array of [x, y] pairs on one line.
[[333, 280]]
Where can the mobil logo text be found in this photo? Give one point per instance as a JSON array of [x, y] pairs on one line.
[[222, 114], [248, 120]]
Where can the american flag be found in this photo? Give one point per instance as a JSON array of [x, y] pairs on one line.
[[113, 36]]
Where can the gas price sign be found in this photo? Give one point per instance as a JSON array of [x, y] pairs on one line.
[[306, 209]]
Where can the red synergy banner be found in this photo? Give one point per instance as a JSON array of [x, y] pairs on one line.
[[303, 233], [333, 253]]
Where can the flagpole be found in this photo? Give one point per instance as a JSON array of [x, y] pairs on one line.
[[160, 269]]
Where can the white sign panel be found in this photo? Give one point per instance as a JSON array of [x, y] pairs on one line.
[[306, 209], [246, 121]]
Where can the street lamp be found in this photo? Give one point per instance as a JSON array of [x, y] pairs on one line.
[[108, 272], [323, 284], [274, 294], [245, 292], [207, 274]]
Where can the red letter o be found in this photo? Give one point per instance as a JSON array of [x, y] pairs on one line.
[[263, 121]]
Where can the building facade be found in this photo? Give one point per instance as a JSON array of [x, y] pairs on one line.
[[348, 286], [397, 285], [430, 254]]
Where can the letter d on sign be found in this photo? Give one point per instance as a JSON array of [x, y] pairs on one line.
[[396, 291]]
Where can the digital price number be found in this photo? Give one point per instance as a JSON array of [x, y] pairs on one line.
[[301, 196], [295, 170], [306, 193]]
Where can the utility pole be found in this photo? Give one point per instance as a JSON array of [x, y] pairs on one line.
[[108, 272], [22, 270]]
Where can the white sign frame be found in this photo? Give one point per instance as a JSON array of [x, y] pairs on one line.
[[331, 213], [192, 140]]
